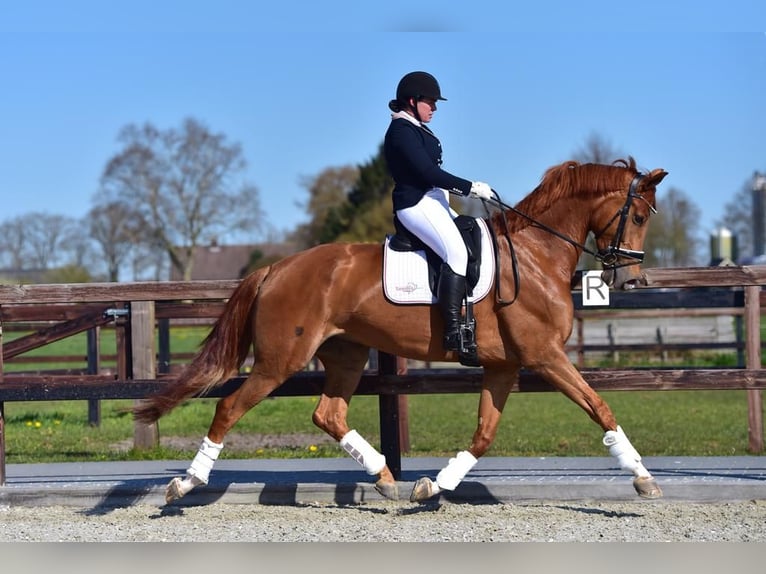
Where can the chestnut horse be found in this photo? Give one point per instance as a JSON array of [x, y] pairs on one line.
[[328, 302]]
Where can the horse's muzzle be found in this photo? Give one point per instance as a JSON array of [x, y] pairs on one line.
[[620, 278], [633, 283]]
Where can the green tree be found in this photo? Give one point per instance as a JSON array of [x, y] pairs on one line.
[[68, 274], [368, 215], [365, 214], [327, 192], [257, 259]]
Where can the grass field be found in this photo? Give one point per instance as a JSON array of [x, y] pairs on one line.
[[672, 423], [667, 423]]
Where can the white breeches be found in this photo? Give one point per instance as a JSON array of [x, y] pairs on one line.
[[431, 221]]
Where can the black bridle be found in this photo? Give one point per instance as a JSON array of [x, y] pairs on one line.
[[609, 256]]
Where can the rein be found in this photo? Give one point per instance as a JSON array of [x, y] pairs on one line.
[[608, 257]]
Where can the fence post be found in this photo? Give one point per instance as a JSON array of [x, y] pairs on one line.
[[660, 341], [611, 332], [388, 406], [753, 339], [2, 411], [404, 409], [94, 366], [143, 363], [163, 353]]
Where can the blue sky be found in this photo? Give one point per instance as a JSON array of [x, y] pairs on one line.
[[304, 86]]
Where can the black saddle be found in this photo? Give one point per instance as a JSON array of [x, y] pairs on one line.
[[405, 240]]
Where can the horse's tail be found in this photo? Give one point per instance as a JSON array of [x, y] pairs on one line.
[[221, 354]]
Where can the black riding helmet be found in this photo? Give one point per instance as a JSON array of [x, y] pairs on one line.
[[416, 85]]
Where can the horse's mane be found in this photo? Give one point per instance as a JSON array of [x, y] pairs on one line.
[[563, 181]]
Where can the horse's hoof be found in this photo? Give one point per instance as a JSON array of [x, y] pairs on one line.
[[389, 490], [647, 487], [423, 489], [174, 491]]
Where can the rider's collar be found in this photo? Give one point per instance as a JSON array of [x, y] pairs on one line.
[[406, 116]]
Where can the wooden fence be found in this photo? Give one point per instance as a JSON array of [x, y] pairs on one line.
[[135, 309]]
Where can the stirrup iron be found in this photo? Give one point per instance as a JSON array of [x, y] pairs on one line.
[[468, 349]]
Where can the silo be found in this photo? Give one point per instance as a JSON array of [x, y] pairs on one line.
[[723, 247]]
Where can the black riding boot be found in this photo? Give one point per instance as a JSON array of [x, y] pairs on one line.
[[451, 292]]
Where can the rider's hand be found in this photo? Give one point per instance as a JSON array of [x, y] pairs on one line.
[[480, 190]]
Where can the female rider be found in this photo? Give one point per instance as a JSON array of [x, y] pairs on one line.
[[421, 192]]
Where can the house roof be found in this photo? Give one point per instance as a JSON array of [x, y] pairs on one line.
[[214, 261]]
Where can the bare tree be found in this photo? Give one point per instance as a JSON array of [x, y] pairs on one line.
[[78, 249], [113, 226], [44, 242], [37, 240], [597, 149], [738, 218], [183, 186], [672, 239], [13, 244]]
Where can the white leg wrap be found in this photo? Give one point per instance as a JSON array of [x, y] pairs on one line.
[[363, 452], [451, 475], [203, 462], [620, 448]]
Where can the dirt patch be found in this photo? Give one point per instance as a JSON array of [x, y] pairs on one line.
[[239, 442]]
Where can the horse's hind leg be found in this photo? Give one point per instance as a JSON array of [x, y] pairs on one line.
[[227, 412], [344, 364], [496, 387]]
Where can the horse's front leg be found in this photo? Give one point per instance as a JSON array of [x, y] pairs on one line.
[[494, 394], [628, 458], [565, 377]]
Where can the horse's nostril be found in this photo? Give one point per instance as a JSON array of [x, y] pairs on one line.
[[633, 283]]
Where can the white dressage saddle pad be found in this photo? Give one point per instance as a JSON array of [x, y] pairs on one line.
[[405, 273]]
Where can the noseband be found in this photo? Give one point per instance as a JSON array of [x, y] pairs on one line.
[[610, 256]]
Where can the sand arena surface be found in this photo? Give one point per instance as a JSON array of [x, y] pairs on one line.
[[641, 521]]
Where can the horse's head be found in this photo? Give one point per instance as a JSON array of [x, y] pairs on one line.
[[620, 226]]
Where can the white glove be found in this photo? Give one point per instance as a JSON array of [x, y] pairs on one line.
[[480, 190]]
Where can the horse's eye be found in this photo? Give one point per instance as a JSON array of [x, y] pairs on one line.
[[638, 219]]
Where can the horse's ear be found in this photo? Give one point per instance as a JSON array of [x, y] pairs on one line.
[[655, 177]]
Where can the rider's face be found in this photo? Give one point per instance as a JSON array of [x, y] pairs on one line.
[[426, 109]]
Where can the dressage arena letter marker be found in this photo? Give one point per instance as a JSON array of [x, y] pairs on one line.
[[594, 290]]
